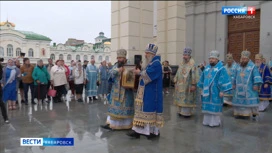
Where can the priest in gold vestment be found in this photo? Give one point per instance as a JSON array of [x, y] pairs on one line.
[[185, 84]]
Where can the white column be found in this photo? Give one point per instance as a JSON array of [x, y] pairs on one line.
[[132, 27], [36, 51], [47, 51], [23, 49], [171, 30], [161, 28], [115, 28]]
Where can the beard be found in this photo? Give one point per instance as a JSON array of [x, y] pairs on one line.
[[244, 64], [120, 64], [212, 64], [229, 64], [146, 62], [186, 60]]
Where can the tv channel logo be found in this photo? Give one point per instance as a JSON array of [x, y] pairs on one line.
[[238, 10], [47, 141], [31, 141]]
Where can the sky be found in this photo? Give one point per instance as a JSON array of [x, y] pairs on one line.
[[59, 21]]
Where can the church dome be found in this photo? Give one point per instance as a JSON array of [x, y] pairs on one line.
[[101, 36], [7, 22], [107, 43]]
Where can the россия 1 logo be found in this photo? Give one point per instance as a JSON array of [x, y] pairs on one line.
[[238, 10]]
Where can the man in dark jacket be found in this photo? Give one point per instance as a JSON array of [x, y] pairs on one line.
[[48, 67], [2, 104], [85, 63]]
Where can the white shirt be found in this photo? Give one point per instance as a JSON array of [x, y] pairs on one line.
[[57, 74], [79, 77]]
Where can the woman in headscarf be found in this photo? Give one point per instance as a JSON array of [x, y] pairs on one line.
[[79, 80], [8, 82], [40, 77]]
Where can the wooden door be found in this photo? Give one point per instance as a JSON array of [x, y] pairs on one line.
[[235, 45], [244, 34], [252, 42]]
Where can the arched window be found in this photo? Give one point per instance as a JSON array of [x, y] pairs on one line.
[[43, 51], [92, 57], [30, 52], [61, 56], [85, 57], [52, 56], [100, 58], [69, 57], [107, 58], [1, 51], [77, 57], [18, 52], [9, 50]]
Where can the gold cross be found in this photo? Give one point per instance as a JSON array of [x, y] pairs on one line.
[[183, 71]]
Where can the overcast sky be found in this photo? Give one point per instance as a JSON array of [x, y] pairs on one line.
[[60, 20]]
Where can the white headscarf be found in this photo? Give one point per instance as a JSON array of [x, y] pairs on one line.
[[78, 70], [12, 73]]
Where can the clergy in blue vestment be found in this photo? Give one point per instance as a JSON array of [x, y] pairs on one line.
[[92, 76], [148, 116], [264, 92], [214, 82], [270, 62], [247, 81], [121, 100], [231, 68], [103, 82], [110, 82], [270, 65], [270, 68]]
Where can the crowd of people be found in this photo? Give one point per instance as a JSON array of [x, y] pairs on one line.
[[245, 85], [59, 77]]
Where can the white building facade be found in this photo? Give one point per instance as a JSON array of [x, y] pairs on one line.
[[13, 42], [36, 46], [85, 52]]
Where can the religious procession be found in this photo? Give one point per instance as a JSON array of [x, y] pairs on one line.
[[134, 94], [245, 86]]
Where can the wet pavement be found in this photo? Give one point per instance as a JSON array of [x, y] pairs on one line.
[[179, 135]]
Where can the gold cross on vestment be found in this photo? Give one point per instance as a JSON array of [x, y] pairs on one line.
[[242, 74], [183, 71]]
